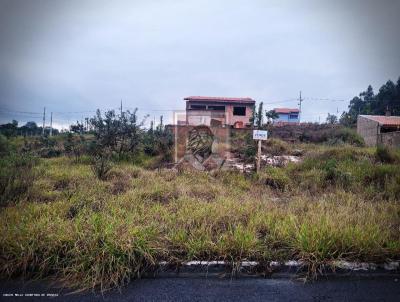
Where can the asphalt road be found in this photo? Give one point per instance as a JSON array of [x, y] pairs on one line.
[[215, 289]]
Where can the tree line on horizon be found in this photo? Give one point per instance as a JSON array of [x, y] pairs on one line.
[[367, 102]]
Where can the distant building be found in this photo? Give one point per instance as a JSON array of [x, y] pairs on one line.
[[287, 115], [219, 111], [379, 129]]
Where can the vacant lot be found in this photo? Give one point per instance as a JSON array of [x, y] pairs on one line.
[[338, 203]]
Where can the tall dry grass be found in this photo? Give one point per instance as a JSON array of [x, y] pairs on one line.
[[102, 233]]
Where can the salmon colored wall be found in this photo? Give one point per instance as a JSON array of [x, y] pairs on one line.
[[232, 119]]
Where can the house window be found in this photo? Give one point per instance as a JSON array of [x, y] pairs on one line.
[[293, 116], [239, 111], [198, 107], [216, 108]]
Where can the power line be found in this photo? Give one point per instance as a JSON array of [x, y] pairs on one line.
[[324, 99], [279, 102], [21, 112]]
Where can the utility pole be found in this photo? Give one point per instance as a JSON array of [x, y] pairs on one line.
[[51, 124], [300, 100], [121, 108], [44, 119]]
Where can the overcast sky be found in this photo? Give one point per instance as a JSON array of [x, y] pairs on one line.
[[74, 56]]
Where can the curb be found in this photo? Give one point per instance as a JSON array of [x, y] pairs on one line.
[[273, 269]]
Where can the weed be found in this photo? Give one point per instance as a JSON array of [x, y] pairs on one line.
[[334, 175], [386, 155], [276, 146], [276, 178], [17, 175], [101, 166]]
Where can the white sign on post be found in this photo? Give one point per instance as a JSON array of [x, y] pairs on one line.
[[260, 134]]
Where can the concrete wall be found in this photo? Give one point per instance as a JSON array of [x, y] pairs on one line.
[[204, 117], [390, 139], [232, 119], [368, 129]]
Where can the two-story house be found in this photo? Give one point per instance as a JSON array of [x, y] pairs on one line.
[[219, 111]]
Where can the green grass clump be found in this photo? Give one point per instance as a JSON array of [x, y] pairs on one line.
[[17, 174], [276, 146], [346, 136], [387, 155], [276, 178]]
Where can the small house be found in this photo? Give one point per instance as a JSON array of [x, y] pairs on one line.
[[287, 115], [379, 129]]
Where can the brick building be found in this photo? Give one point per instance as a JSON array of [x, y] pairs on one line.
[[379, 129], [219, 111]]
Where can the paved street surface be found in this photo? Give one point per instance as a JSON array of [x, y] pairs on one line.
[[215, 289]]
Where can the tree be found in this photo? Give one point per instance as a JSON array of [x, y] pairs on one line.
[[31, 125], [9, 129], [120, 134], [271, 115], [387, 98], [253, 115], [331, 119], [346, 119], [259, 116], [158, 141], [77, 128]]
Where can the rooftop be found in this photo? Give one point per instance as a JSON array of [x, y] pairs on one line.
[[384, 120], [220, 99], [286, 110]]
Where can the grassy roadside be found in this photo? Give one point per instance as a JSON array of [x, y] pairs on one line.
[[339, 203]]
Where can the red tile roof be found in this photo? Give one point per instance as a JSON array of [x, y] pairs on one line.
[[286, 110], [384, 120], [220, 99]]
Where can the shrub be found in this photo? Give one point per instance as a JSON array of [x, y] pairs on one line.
[[47, 148], [276, 178], [345, 153], [349, 136], [332, 135], [384, 179], [385, 155], [276, 146], [4, 144], [243, 145], [101, 166], [16, 176], [76, 147], [334, 175]]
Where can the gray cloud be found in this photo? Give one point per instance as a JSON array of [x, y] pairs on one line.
[[81, 55]]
